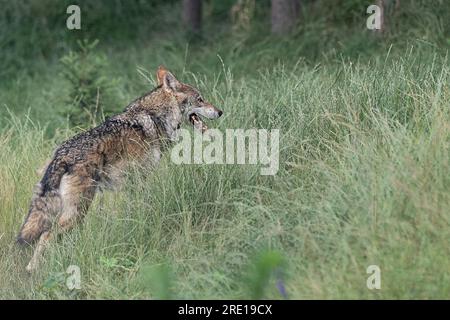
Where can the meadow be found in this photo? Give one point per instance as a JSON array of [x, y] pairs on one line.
[[364, 169]]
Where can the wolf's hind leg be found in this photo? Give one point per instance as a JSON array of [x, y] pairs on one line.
[[77, 193], [75, 200], [74, 209], [72, 212], [38, 251]]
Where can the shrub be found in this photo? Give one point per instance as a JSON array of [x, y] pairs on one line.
[[91, 90]]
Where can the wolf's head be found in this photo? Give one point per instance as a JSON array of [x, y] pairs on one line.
[[189, 100]]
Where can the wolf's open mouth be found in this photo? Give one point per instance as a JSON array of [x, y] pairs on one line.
[[197, 122]]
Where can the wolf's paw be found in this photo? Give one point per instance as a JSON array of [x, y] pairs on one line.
[[31, 267]]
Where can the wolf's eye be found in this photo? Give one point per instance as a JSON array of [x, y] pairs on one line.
[[200, 99]]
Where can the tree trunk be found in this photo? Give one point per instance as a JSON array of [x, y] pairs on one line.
[[284, 15], [381, 4], [192, 15]]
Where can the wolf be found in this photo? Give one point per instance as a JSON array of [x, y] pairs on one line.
[[96, 158]]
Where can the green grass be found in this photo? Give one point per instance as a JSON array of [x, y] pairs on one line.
[[363, 179]]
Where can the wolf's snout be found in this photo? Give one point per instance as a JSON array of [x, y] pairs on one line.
[[216, 112], [209, 112]]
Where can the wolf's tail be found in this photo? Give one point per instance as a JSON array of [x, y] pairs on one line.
[[45, 205]]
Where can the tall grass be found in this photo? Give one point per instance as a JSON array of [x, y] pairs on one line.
[[363, 180], [364, 155]]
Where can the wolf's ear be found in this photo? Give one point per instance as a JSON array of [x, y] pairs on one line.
[[166, 79]]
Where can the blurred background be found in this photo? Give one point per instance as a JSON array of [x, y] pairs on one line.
[[201, 36]]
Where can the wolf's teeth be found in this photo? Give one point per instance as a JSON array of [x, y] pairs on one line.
[[198, 123]]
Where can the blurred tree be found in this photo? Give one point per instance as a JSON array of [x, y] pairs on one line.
[[381, 4], [192, 15], [388, 8], [241, 14], [284, 15], [91, 91]]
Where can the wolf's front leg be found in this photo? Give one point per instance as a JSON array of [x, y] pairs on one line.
[[153, 156]]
